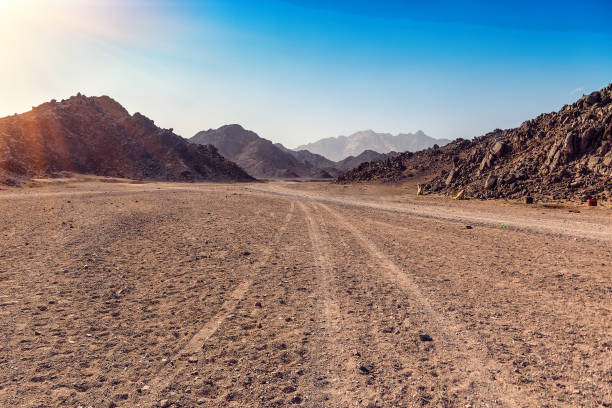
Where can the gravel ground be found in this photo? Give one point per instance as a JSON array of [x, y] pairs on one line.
[[299, 294]]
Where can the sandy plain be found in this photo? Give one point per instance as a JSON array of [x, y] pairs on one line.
[[299, 294]]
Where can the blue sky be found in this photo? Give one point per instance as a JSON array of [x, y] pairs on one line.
[[296, 71]]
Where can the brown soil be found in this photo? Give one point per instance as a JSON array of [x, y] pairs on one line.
[[299, 294]]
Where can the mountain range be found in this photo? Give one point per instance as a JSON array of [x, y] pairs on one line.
[[96, 135], [264, 159], [338, 148]]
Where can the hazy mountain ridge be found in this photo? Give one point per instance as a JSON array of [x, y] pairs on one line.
[[339, 167], [341, 147], [96, 135]]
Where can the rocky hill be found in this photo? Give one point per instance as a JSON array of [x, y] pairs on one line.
[[341, 147], [366, 156], [96, 135], [400, 167], [258, 156], [332, 167], [559, 155]]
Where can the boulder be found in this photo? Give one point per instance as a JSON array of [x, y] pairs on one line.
[[498, 149], [491, 182], [451, 177], [587, 137], [569, 145], [593, 98]]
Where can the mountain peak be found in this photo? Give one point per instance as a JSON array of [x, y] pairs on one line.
[[258, 156], [96, 135]]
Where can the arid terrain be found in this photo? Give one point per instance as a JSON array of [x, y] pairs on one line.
[[299, 294]]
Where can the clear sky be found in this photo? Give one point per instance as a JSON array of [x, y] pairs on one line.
[[296, 71]]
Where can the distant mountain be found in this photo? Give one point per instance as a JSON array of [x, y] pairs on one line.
[[338, 148], [332, 167], [258, 156], [96, 135]]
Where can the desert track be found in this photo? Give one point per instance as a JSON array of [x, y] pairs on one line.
[[298, 295]]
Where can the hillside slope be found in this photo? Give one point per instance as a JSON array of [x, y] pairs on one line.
[[96, 135], [559, 155], [258, 156]]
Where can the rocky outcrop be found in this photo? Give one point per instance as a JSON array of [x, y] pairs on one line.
[[398, 168], [96, 135], [559, 155]]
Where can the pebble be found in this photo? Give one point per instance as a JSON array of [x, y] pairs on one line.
[[425, 337], [365, 370]]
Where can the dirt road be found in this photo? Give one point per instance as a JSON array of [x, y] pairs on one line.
[[299, 294]]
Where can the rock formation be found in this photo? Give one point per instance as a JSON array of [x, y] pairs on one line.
[[96, 135]]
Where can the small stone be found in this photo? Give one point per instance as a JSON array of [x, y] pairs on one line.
[[468, 227], [425, 337], [290, 389], [460, 195], [365, 369], [192, 359], [164, 403], [528, 200]]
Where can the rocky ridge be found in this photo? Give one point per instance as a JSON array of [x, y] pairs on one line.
[[258, 156], [96, 135], [556, 156]]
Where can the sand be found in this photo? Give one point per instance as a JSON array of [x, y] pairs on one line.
[[305, 294]]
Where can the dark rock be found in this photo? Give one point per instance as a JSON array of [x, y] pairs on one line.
[[490, 182], [365, 369], [425, 337]]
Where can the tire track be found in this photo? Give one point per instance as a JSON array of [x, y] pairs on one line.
[[165, 377], [450, 337], [535, 296], [340, 361], [572, 228]]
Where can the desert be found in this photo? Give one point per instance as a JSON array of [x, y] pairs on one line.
[[305, 203], [296, 293]]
